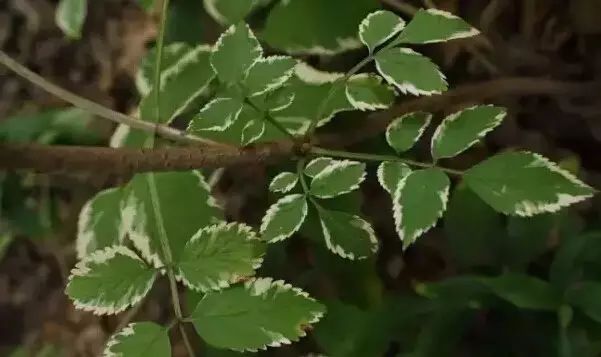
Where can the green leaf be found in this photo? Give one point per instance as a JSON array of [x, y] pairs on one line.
[[218, 115], [419, 201], [410, 72], [379, 27], [268, 74], [109, 281], [433, 25], [235, 53], [185, 205], [140, 339], [70, 17], [218, 256], [316, 166], [340, 177], [347, 235], [172, 53], [525, 184], [316, 26], [283, 182], [473, 229], [404, 132], [284, 218], [586, 296], [99, 224], [229, 11], [460, 131], [366, 92], [524, 291], [390, 175], [252, 131], [181, 85], [261, 313]]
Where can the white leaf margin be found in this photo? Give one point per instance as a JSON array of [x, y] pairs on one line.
[[360, 105], [282, 175], [380, 174], [399, 121], [339, 250], [211, 230], [229, 32], [98, 257], [314, 162], [337, 165], [248, 139], [85, 233], [457, 35], [397, 211], [277, 81], [364, 25], [440, 130], [408, 87], [528, 208], [229, 119], [274, 209]]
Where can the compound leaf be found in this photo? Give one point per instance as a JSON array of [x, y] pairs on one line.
[[347, 235], [235, 53], [258, 314], [218, 256], [139, 339], [340, 177], [525, 184], [433, 25], [459, 131], [283, 182], [404, 132], [419, 201], [185, 206], [379, 27], [410, 71], [109, 281], [366, 92], [99, 224], [390, 174], [316, 166], [284, 218]]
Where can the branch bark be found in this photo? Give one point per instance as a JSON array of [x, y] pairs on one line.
[[42, 158]]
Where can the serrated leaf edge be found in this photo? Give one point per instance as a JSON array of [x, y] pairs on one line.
[[338, 250], [397, 210], [275, 82], [366, 22], [339, 164], [113, 341], [458, 35], [313, 162], [99, 257], [311, 75], [224, 283], [436, 137], [399, 121], [284, 189], [85, 235], [407, 87], [365, 106], [230, 31], [380, 175], [229, 120], [247, 141], [273, 210]]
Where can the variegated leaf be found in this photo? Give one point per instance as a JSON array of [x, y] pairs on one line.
[[268, 74], [235, 52], [284, 218], [390, 175], [405, 131], [283, 182], [433, 25], [379, 27], [340, 177], [347, 235], [218, 115], [367, 92], [139, 339]]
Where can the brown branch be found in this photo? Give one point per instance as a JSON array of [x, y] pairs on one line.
[[43, 158]]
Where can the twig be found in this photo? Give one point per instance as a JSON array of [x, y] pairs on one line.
[[99, 110]]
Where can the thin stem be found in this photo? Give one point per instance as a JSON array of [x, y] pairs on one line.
[[271, 120], [379, 158], [154, 196], [99, 110], [300, 166]]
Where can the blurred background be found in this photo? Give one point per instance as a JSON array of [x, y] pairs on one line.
[[420, 302]]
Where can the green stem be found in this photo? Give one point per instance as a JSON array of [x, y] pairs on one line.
[[271, 120], [379, 158], [154, 195], [300, 167]]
